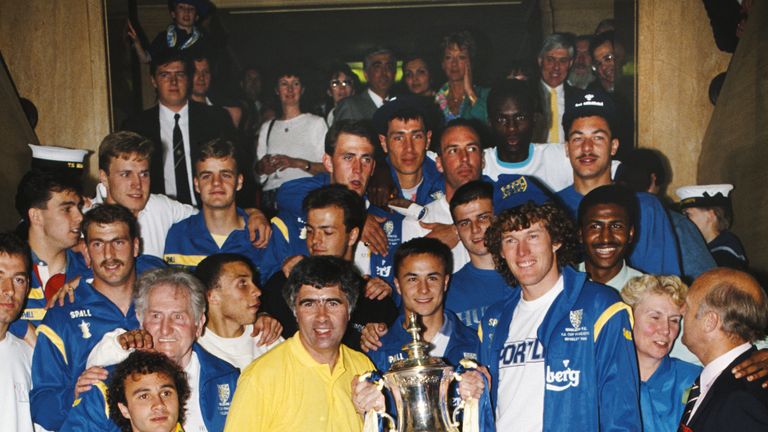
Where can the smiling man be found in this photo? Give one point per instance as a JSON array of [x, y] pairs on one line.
[[68, 333], [559, 343], [305, 383], [607, 227], [379, 70], [170, 304], [591, 145]]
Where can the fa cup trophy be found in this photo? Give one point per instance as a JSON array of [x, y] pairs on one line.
[[419, 385]]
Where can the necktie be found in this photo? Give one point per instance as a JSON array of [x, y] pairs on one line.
[[693, 395], [180, 164], [554, 126]]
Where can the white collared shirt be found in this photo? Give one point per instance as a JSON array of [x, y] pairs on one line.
[[622, 277], [377, 100], [167, 122], [714, 369], [560, 92]]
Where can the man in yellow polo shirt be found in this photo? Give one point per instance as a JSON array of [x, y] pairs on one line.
[[305, 382]]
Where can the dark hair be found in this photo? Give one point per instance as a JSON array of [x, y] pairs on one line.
[[36, 188], [583, 37], [636, 169], [554, 219], [416, 56], [144, 363], [340, 67], [517, 90], [463, 40], [321, 272], [337, 195], [217, 148], [170, 55], [471, 124], [361, 128], [123, 144], [600, 39], [376, 50], [424, 245], [208, 271], [610, 194], [474, 190], [11, 244], [109, 214], [288, 70], [406, 114]]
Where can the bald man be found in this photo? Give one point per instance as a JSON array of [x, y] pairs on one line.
[[725, 312]]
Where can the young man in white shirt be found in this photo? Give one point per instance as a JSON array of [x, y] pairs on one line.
[[233, 302], [15, 379]]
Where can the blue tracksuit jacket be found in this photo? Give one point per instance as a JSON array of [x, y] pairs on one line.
[[34, 310], [64, 340], [218, 380], [189, 242], [472, 290], [655, 247], [592, 382]]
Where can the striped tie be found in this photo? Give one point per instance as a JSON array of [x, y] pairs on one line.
[[180, 164], [693, 396]]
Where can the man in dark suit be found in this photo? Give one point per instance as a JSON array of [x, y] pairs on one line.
[[725, 312], [555, 60], [177, 126], [379, 70]]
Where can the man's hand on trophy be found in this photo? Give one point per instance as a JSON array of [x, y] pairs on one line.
[[372, 332], [472, 384], [366, 395]]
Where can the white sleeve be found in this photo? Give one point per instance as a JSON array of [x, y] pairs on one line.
[[108, 351]]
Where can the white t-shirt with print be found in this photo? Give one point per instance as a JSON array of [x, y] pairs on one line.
[[520, 405]]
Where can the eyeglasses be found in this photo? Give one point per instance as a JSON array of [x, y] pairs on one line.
[[608, 59], [336, 83], [516, 118]]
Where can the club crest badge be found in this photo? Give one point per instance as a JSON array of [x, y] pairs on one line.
[[224, 393], [575, 317]]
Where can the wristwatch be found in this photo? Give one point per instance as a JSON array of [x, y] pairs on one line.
[[307, 167]]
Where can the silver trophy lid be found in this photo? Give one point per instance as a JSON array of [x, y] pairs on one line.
[[418, 349]]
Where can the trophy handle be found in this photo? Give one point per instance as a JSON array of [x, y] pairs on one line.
[[392, 424], [454, 421]]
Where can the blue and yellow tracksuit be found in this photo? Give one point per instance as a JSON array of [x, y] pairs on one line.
[[189, 242], [64, 340], [218, 380], [591, 368]]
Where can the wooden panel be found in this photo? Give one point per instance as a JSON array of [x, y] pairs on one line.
[[575, 16], [14, 152], [56, 54], [676, 60], [734, 146]]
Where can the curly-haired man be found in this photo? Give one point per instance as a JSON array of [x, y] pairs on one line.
[[148, 391], [558, 325]]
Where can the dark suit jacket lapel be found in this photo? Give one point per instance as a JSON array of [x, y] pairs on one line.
[[721, 380]]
